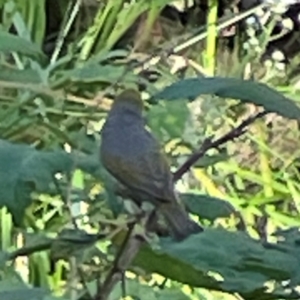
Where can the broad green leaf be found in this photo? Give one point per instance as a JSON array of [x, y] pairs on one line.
[[11, 281], [3, 258], [167, 294], [165, 264], [25, 170], [33, 243], [14, 289], [244, 264], [210, 160], [207, 207], [138, 290], [73, 242], [134, 290], [244, 90], [289, 240], [19, 76], [291, 236], [89, 163], [95, 73], [51, 297], [11, 43], [24, 294]]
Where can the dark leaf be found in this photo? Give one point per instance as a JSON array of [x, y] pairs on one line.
[[19, 76], [244, 264], [244, 90], [94, 73], [73, 242], [25, 170], [24, 294], [210, 160], [11, 43], [207, 207]]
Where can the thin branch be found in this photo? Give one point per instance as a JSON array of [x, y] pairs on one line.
[[214, 144], [129, 249], [75, 269]]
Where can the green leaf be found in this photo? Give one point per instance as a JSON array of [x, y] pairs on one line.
[[210, 160], [4, 256], [161, 262], [244, 90], [207, 207], [19, 76], [11, 43], [95, 73], [24, 294], [167, 294], [134, 290], [32, 19], [137, 290], [105, 56], [14, 289], [169, 120], [89, 163], [73, 242], [243, 264], [25, 170]]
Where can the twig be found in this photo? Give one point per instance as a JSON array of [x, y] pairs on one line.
[[129, 249], [213, 144], [75, 269]]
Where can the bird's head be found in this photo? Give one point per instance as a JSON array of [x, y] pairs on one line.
[[129, 99]]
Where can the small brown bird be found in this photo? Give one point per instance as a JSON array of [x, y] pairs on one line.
[[134, 157]]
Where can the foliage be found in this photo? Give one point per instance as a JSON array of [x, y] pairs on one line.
[[64, 232]]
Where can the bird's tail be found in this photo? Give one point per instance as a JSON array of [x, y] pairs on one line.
[[179, 222]]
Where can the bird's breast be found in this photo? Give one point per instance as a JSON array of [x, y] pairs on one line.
[[121, 141]]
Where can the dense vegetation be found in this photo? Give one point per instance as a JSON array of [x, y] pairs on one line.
[[225, 111]]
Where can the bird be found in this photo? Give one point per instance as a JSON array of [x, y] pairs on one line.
[[134, 157]]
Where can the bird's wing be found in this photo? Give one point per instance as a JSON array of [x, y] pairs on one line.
[[147, 173]]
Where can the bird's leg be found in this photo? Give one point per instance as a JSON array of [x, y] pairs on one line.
[[139, 210]]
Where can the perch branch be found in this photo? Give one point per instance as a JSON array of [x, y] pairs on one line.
[[129, 249], [209, 143]]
